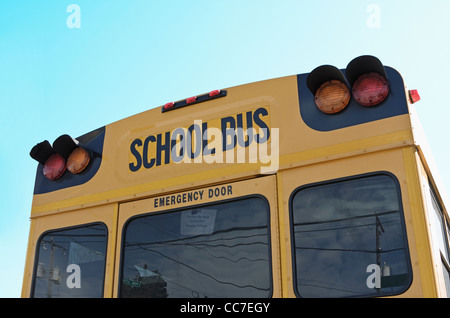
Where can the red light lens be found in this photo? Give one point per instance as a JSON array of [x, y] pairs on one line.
[[191, 100], [370, 89], [214, 93], [168, 105], [54, 167], [414, 96]]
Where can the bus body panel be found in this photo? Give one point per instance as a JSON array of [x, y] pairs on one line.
[[283, 150]]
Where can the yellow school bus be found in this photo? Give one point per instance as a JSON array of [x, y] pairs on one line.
[[311, 185]]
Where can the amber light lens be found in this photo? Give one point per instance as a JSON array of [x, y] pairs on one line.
[[54, 167], [332, 96], [78, 160], [370, 89]]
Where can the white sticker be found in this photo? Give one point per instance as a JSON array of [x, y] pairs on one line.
[[197, 222]]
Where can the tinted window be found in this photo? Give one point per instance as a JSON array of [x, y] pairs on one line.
[[71, 263], [349, 238], [219, 250]]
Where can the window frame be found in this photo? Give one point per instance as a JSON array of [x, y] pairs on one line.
[[343, 179], [67, 228], [434, 206], [444, 225], [196, 206]]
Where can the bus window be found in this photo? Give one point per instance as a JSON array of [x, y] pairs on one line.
[[440, 234], [349, 238], [217, 250], [71, 263]]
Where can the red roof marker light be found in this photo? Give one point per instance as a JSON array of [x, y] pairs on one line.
[[413, 96], [214, 93], [191, 100], [169, 105], [194, 100]]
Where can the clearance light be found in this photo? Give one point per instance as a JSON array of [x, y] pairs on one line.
[[194, 100], [329, 87], [413, 96], [191, 100], [168, 105], [367, 77], [214, 93]]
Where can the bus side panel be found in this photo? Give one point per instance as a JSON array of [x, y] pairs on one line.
[[433, 226]]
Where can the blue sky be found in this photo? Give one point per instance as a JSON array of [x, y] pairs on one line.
[[129, 56]]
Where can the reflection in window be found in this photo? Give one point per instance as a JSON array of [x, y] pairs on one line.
[[71, 263], [219, 250], [343, 231], [440, 234]]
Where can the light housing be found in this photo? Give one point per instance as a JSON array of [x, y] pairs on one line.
[[42, 151], [54, 164], [64, 145], [330, 90], [193, 100], [66, 154]]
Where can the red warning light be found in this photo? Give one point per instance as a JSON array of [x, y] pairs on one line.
[[370, 89], [54, 167]]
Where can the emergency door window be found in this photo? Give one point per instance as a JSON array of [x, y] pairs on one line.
[[218, 250], [71, 263], [349, 238]]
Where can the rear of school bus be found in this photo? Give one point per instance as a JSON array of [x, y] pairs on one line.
[[251, 191]]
